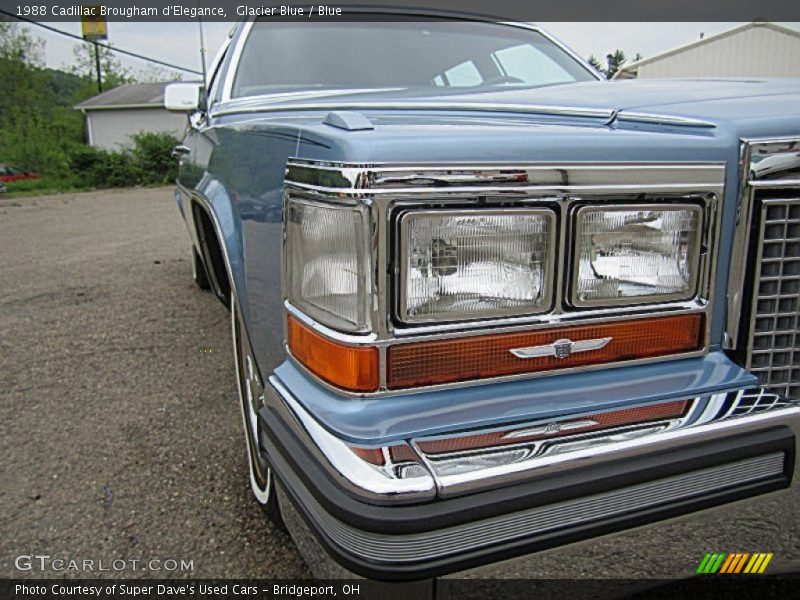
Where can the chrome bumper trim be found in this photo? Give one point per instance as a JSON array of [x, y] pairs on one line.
[[709, 418], [404, 481], [451, 474]]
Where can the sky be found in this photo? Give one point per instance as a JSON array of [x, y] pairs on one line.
[[179, 43]]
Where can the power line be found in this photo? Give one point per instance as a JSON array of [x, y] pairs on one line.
[[107, 46]]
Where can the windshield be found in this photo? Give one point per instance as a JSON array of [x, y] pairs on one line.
[[435, 54]]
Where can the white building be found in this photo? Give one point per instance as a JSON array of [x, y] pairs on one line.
[[752, 50], [113, 116]]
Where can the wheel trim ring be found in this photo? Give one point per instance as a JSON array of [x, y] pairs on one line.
[[260, 475]]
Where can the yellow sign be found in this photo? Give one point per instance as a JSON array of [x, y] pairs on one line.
[[93, 25]]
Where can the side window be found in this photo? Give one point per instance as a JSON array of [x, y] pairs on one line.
[[464, 75], [530, 66]]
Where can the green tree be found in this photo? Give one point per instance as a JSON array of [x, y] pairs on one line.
[[154, 73], [614, 62], [17, 44], [596, 64], [37, 124], [152, 154], [112, 72]]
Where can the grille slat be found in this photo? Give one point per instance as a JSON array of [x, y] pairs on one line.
[[773, 350]]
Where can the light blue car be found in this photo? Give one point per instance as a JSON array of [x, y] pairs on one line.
[[485, 303]]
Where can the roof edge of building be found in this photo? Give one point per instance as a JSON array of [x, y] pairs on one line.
[[706, 40]]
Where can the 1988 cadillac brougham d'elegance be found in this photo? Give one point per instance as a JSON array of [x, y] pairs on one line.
[[485, 304]]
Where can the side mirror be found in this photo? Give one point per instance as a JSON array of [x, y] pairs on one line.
[[182, 97]]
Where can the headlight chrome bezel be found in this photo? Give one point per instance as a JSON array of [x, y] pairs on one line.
[[573, 242], [549, 275], [387, 191]]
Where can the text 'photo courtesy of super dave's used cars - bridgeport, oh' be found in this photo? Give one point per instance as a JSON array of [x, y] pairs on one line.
[[516, 306]]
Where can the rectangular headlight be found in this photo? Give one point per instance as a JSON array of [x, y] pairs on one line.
[[636, 254], [460, 265], [328, 274]]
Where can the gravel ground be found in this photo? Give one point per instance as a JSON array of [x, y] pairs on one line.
[[121, 434]]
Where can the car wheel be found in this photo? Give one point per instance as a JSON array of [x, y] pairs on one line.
[[251, 399], [199, 271]]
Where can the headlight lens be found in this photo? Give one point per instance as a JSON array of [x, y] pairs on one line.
[[637, 254], [467, 264], [328, 264]]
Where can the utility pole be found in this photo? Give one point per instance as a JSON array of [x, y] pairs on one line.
[[97, 67], [94, 28]]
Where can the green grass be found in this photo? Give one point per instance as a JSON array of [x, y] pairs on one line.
[[42, 186]]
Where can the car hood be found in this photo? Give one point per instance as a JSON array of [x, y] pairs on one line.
[[686, 97], [587, 121]]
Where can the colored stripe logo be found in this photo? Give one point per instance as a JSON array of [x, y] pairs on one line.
[[739, 562]]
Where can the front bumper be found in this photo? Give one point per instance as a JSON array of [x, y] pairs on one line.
[[377, 523]]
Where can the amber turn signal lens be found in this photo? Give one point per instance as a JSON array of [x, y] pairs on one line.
[[353, 368], [464, 359], [376, 456]]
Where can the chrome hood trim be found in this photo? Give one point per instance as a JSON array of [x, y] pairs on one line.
[[266, 104]]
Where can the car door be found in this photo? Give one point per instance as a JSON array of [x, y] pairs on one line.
[[194, 150]]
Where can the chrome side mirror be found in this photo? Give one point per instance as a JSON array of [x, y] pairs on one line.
[[182, 97]]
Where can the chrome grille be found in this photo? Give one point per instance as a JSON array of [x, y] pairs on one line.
[[773, 352], [754, 400]]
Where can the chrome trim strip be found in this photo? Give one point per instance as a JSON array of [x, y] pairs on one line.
[[775, 183], [561, 348], [358, 179], [409, 548], [765, 148], [236, 54], [741, 241], [365, 479], [492, 326], [509, 192], [258, 104], [657, 119]]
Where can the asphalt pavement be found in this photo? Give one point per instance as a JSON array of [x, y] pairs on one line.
[[121, 434]]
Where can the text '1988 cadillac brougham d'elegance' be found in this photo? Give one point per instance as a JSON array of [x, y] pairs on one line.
[[484, 303]]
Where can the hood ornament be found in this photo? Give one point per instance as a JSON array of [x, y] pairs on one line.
[[563, 348]]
